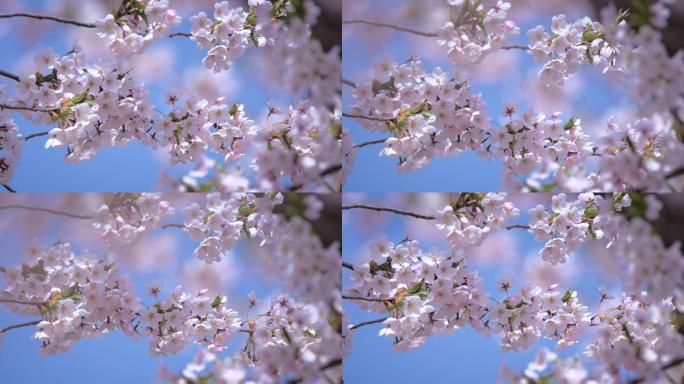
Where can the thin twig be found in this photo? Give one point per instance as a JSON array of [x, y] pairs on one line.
[[9, 75], [183, 34], [359, 325], [515, 46], [352, 116], [391, 26], [20, 302], [8, 188], [349, 266], [181, 226], [326, 172], [392, 210], [348, 82], [677, 172], [31, 109], [361, 298], [46, 210], [28, 324], [518, 226], [44, 17], [367, 143], [38, 134]]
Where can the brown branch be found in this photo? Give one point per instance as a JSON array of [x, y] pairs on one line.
[[326, 172], [183, 34], [46, 210], [20, 302], [349, 266], [38, 134], [44, 17], [348, 82], [359, 325], [9, 75], [677, 172], [391, 26], [515, 46], [365, 299], [392, 210], [31, 109], [352, 116], [28, 324], [367, 143], [181, 226], [8, 188], [518, 226]]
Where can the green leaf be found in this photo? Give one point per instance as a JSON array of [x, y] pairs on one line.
[[567, 296]]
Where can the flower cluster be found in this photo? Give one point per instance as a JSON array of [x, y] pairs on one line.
[[569, 223], [569, 46], [476, 30], [183, 318], [10, 147], [521, 319], [471, 218], [228, 36], [425, 293], [224, 221], [290, 339], [135, 24], [123, 219], [198, 124], [76, 297], [427, 114], [301, 144]]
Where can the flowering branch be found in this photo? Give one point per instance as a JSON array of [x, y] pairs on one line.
[[359, 325], [20, 302], [32, 109], [44, 17], [391, 26], [365, 299], [353, 116], [22, 325]]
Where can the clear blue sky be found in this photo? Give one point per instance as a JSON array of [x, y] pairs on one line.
[[467, 172], [463, 357], [113, 358], [131, 168]]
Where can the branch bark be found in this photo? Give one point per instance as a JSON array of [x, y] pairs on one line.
[[45, 17]]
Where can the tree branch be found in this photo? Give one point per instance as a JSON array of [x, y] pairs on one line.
[[391, 26], [20, 302], [8, 188], [365, 299], [677, 172], [349, 266], [352, 116], [182, 34], [28, 324], [44, 17], [359, 325], [9, 75], [31, 109], [348, 82], [328, 171], [515, 46], [46, 210], [37, 134], [367, 143], [392, 210]]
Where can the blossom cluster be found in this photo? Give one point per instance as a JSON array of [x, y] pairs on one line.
[[476, 30], [290, 339], [472, 217], [427, 114], [183, 318], [10, 147], [76, 297], [127, 216], [135, 24], [223, 221], [569, 46]]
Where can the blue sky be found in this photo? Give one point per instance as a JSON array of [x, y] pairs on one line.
[[135, 167], [463, 357], [113, 358], [467, 172]]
